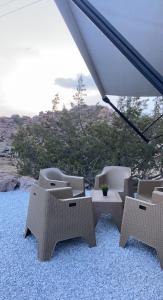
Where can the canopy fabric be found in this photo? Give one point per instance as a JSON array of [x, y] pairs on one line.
[[140, 22]]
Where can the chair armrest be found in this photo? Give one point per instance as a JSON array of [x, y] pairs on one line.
[[157, 197], [100, 179], [37, 188], [79, 199], [128, 187], [58, 183], [49, 183], [76, 182], [146, 187], [138, 202], [61, 193], [159, 188]]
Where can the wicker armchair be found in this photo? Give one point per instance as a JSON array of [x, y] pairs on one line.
[[55, 178], [53, 216], [117, 178], [144, 221], [146, 187]]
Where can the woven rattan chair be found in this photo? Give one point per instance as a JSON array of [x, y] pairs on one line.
[[146, 187], [53, 216], [117, 178], [54, 178], [144, 221]]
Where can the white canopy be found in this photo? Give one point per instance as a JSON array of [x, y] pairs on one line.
[[140, 22]]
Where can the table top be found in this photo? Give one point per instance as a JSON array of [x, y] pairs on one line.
[[113, 196]]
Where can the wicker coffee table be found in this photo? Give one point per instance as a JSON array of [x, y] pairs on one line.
[[110, 204]]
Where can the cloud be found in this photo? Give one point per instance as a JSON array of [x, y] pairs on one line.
[[70, 83], [17, 52], [11, 57], [67, 83]]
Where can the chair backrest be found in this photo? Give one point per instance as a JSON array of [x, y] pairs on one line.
[[52, 173], [58, 211], [116, 175], [146, 187], [143, 219], [157, 196]]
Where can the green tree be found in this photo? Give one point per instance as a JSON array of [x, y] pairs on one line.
[[85, 147], [128, 148], [55, 102]]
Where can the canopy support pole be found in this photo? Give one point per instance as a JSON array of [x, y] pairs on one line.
[[150, 125], [140, 63], [107, 100]]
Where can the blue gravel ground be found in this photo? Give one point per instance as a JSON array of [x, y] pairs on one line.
[[76, 272]]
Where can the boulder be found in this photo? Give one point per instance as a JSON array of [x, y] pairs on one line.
[[8, 182], [25, 183]]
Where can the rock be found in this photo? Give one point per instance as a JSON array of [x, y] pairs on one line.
[[8, 182], [25, 183], [8, 166]]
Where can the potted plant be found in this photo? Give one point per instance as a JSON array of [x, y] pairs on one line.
[[104, 189]]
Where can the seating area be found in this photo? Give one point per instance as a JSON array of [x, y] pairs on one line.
[[81, 150], [106, 271], [56, 212]]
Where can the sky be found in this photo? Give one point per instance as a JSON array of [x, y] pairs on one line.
[[38, 58]]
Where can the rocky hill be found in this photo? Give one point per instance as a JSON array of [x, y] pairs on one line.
[[10, 125]]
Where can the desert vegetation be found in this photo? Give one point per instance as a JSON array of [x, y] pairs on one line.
[[83, 139]]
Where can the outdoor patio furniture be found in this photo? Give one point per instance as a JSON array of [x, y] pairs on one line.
[[146, 187], [117, 178], [54, 178], [53, 216], [110, 204], [144, 221], [157, 195]]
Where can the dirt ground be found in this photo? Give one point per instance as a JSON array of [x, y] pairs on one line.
[[7, 165]]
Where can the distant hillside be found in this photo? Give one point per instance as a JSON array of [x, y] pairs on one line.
[[10, 125]]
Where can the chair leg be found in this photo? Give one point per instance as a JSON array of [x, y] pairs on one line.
[[123, 239], [160, 255], [27, 232], [90, 239], [46, 250], [118, 221], [96, 218]]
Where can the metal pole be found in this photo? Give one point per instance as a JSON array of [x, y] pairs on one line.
[[141, 64], [150, 125], [157, 137], [107, 100]]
